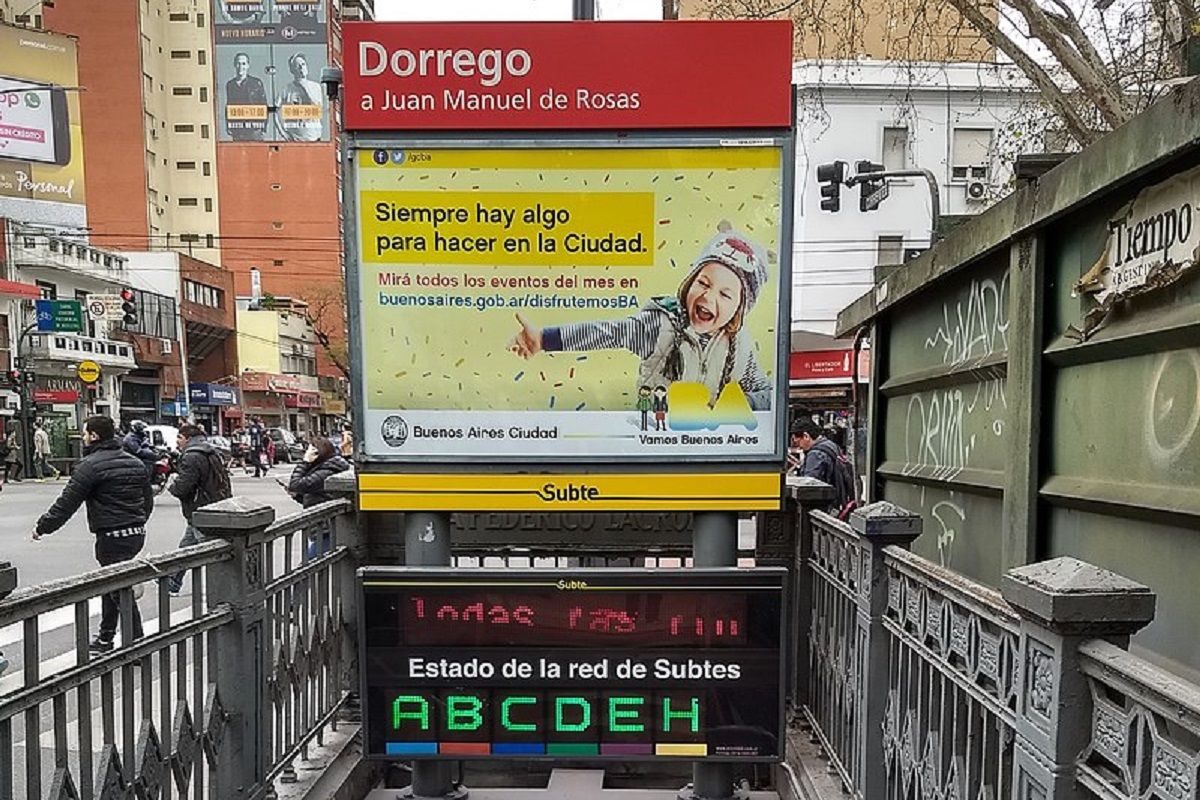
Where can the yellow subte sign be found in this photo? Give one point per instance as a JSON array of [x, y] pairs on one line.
[[741, 491]]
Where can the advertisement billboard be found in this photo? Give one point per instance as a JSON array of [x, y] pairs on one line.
[[41, 138], [269, 55], [571, 303], [595, 664]]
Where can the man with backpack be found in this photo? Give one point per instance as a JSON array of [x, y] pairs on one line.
[[202, 480], [826, 462]]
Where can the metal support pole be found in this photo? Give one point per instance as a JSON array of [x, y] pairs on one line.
[[714, 544], [427, 544], [27, 410], [583, 9]]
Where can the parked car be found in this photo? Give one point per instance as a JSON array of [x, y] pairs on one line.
[[288, 449]]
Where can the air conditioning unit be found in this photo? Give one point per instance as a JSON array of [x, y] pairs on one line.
[[167, 344], [977, 191]]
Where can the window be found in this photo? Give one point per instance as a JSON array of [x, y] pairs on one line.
[[54, 245], [895, 148], [971, 153], [201, 57], [203, 94], [178, 16], [203, 295], [189, 238], [206, 168], [185, 165], [28, 242], [181, 91], [95, 254], [48, 291], [188, 201], [208, 240], [200, 19], [277, 262], [208, 204], [890, 251], [203, 131], [179, 54], [185, 128], [108, 261]]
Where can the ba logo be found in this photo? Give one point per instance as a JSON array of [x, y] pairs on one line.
[[690, 409], [394, 431]]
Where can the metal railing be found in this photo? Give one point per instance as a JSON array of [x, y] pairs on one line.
[[221, 692], [920, 683]]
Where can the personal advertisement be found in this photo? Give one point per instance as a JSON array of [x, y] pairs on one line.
[[571, 303], [41, 138], [592, 665], [268, 59]]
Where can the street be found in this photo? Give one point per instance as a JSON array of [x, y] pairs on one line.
[[69, 551]]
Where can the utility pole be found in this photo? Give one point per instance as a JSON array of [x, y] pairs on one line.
[[583, 9], [25, 395]]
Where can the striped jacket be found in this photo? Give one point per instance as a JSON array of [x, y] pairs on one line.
[[652, 333]]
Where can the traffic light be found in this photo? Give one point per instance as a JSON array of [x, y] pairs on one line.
[[831, 177], [129, 308], [17, 376], [872, 192]]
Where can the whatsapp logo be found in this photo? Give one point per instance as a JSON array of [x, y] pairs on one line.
[[32, 100]]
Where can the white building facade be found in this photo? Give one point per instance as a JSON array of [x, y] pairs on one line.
[[964, 122], [62, 268]]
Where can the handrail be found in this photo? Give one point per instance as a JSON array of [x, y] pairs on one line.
[[297, 522], [31, 601], [1150, 685], [45, 689], [962, 590]]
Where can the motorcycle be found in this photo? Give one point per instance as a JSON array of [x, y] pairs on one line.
[[165, 467]]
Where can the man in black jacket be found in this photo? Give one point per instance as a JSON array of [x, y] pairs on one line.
[[116, 489], [202, 479]]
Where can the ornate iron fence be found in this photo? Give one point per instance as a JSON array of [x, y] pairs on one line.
[[183, 710], [924, 684]]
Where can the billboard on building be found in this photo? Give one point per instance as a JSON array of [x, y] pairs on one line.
[[41, 137], [269, 56]]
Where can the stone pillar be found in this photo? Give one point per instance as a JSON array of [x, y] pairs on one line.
[[879, 525], [239, 648], [801, 496], [1063, 603]]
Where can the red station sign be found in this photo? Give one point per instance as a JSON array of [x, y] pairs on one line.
[[568, 75]]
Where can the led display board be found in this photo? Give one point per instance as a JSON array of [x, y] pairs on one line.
[[591, 664]]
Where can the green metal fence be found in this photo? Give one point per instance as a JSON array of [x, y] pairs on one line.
[[1016, 437]]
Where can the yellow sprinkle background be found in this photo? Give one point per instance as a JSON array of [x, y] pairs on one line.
[[458, 358]]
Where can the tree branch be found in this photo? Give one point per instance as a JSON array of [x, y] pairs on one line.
[[1055, 97], [1068, 24], [1095, 87]]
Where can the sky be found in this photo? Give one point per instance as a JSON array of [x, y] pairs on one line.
[[479, 10]]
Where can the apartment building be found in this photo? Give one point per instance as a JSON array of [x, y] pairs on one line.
[[237, 162]]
